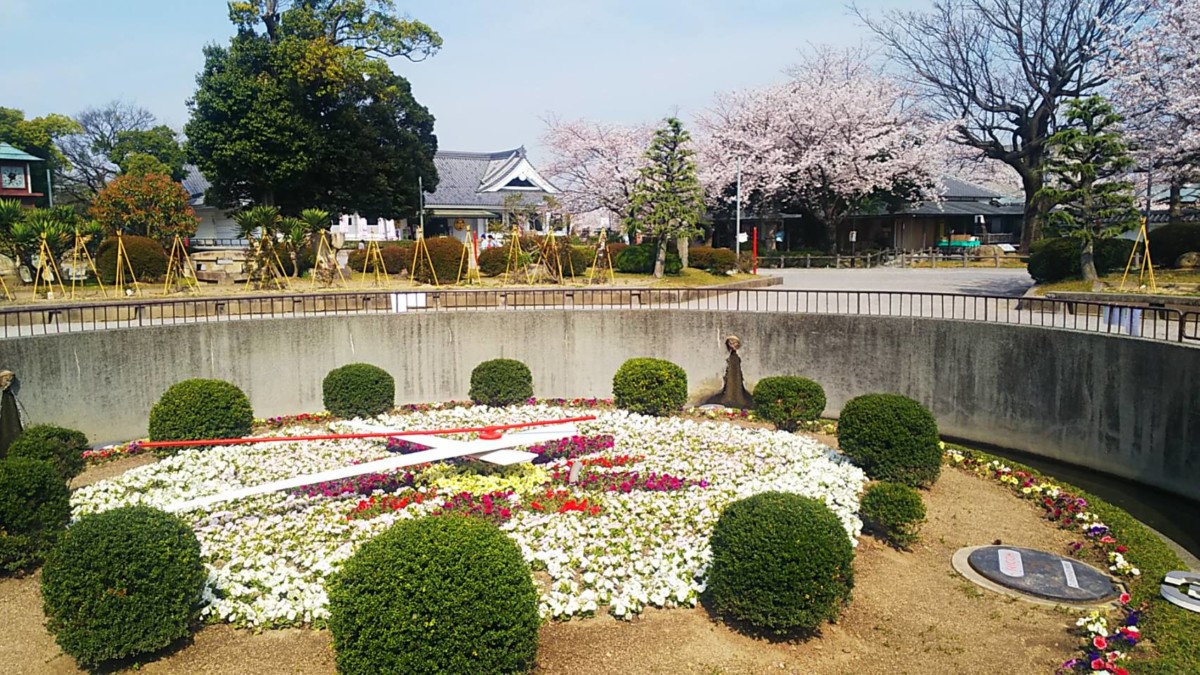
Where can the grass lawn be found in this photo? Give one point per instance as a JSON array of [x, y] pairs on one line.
[[1169, 282]]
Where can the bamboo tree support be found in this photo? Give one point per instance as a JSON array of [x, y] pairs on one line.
[[180, 268], [421, 257], [47, 271], [327, 264], [551, 262], [4, 287], [602, 250], [468, 265], [512, 261], [276, 266], [123, 266], [1146, 267], [81, 247], [266, 267], [374, 264]]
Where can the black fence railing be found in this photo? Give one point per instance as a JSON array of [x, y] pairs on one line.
[[1137, 321]]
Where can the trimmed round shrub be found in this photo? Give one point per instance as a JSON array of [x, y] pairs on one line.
[[713, 260], [780, 562], [1169, 242], [61, 447], [893, 510], [448, 594], [147, 257], [575, 260], [614, 252], [650, 386], [396, 257], [1055, 259], [892, 438], [788, 401], [34, 510], [501, 382], [197, 409], [446, 254], [358, 390], [493, 261], [640, 260], [122, 583]]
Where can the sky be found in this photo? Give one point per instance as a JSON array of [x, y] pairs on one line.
[[505, 66]]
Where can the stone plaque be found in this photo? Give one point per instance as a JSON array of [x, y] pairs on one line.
[[1045, 575]]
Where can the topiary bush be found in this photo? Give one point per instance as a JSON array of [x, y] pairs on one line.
[[788, 401], [122, 583], [147, 257], [650, 386], [712, 260], [196, 409], [447, 594], [493, 261], [501, 382], [892, 438], [34, 510], [396, 257], [358, 390], [640, 260], [780, 562], [893, 510], [60, 446], [1055, 259], [1169, 242], [446, 253]]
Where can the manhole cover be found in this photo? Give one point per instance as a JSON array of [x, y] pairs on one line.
[[1042, 574]]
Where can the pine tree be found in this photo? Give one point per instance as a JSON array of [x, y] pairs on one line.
[[1086, 158], [668, 201]]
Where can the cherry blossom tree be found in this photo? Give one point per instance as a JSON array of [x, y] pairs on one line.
[[1156, 75], [838, 137], [597, 165]]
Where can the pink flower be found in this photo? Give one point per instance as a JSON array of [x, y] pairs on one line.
[[1124, 598], [1099, 664], [1099, 642]]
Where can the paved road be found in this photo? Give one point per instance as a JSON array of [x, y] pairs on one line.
[[971, 280]]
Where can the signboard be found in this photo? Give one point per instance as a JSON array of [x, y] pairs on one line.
[[743, 237], [853, 236]]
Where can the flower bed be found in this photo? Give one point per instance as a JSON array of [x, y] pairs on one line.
[[631, 531]]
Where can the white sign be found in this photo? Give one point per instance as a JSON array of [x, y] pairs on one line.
[[1069, 571], [853, 236], [1010, 563], [743, 237]]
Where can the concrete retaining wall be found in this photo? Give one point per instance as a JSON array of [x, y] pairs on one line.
[[1123, 406]]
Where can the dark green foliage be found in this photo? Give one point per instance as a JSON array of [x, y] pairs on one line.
[[788, 401], [34, 510], [146, 256], [894, 511], [446, 253], [198, 409], [781, 562], [501, 382], [122, 583], [713, 260], [358, 390], [1169, 242], [396, 258], [61, 447], [650, 386], [435, 595], [892, 438], [1055, 259], [640, 260], [493, 261], [574, 260]]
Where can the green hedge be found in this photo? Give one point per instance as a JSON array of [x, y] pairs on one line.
[[122, 583], [146, 256], [493, 261], [713, 260], [892, 438], [60, 446], [640, 260], [894, 510], [198, 409], [501, 382], [1169, 242], [34, 510], [788, 401], [396, 258], [780, 562], [446, 254], [358, 390], [1055, 259], [447, 594], [650, 386]]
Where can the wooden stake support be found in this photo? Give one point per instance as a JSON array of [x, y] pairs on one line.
[[421, 257], [374, 264], [1146, 268], [326, 263], [123, 266], [179, 268], [512, 261], [468, 264], [602, 254], [81, 247], [47, 271]]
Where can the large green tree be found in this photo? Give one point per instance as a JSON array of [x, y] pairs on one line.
[[38, 137], [301, 110], [1084, 188], [160, 142], [668, 200]]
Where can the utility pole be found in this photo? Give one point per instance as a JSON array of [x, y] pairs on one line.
[[737, 238], [421, 202]]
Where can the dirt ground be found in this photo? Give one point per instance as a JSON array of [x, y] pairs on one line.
[[911, 613]]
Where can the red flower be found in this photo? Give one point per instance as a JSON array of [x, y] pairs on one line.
[[1099, 642], [1099, 664], [1121, 549], [1124, 598], [1120, 671]]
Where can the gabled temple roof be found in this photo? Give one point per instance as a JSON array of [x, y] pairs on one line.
[[483, 178], [11, 153]]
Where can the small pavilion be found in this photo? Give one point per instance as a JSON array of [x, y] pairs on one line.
[[16, 176]]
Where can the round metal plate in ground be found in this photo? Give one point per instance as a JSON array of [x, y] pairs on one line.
[[1182, 589], [1037, 576]]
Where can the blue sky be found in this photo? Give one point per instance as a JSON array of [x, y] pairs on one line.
[[504, 68]]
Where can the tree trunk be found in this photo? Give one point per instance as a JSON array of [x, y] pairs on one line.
[[1087, 261], [682, 244], [661, 260], [1031, 230], [295, 265], [1176, 200]]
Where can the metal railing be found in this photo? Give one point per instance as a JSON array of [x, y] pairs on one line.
[[1137, 321]]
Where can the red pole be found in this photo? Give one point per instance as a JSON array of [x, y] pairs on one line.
[[754, 250], [475, 245], [486, 432]]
